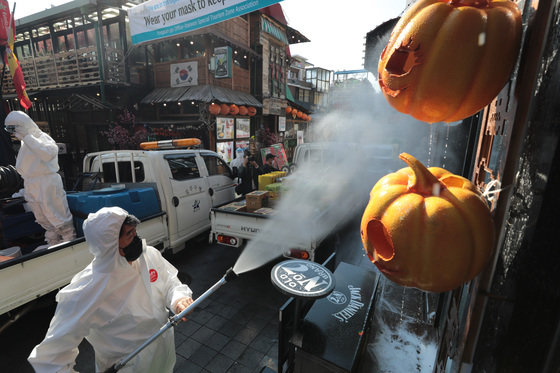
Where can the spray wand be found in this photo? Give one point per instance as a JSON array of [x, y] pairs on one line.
[[230, 275]]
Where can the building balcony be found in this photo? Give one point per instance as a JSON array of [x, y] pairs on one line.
[[76, 68]]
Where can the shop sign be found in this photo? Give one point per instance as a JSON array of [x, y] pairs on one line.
[[302, 278], [223, 62], [157, 19], [281, 124]]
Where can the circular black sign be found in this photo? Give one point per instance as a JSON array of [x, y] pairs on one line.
[[302, 278]]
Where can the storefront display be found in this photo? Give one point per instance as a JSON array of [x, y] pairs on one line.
[[232, 133]]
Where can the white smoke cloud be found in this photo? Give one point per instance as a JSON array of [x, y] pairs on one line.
[[361, 141]]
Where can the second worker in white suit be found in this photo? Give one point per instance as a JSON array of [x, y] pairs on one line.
[[37, 163]]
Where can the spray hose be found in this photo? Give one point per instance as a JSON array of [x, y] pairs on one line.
[[229, 275]]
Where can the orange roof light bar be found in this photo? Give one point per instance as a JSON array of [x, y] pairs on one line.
[[170, 144]]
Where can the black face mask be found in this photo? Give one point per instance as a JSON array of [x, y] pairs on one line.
[[133, 250]]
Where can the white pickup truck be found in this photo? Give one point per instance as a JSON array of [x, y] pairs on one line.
[[172, 191]]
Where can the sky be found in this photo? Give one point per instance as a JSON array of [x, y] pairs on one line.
[[337, 29]]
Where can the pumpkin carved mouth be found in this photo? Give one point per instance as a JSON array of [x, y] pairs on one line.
[[380, 240]]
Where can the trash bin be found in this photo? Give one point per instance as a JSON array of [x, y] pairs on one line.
[[335, 328]]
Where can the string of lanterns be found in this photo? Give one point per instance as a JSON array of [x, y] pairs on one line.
[[295, 113], [233, 109]]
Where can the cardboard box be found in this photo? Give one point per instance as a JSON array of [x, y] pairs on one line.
[[234, 206], [265, 211], [255, 200]]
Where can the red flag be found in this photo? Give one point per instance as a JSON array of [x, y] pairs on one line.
[[10, 59]]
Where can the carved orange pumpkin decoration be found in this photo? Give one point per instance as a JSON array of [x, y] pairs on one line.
[[233, 109], [251, 111], [214, 109], [448, 59], [427, 228], [243, 110], [224, 109]]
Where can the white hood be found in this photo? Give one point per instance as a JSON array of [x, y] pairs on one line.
[[21, 122], [101, 231]]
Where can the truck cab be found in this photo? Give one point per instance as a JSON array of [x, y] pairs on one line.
[[188, 183]]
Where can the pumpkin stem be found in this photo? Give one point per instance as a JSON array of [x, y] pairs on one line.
[[424, 182]]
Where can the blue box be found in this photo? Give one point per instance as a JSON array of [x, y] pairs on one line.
[[140, 202]]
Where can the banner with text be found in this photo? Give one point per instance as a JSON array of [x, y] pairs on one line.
[[156, 19]]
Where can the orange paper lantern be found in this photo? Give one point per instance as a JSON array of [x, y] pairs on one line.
[[294, 113], [214, 109], [251, 111], [233, 109], [224, 109], [288, 109], [243, 110], [299, 114]]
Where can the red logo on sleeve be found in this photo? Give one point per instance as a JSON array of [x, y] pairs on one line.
[[153, 275]]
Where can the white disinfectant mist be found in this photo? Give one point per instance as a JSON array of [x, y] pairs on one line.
[[361, 144]]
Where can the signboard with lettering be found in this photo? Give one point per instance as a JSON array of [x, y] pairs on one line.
[[334, 328], [156, 19], [302, 278]]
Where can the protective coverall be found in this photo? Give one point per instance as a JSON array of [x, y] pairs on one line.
[[37, 163], [115, 305]]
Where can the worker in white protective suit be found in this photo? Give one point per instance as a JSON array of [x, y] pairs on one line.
[[37, 163], [117, 302]]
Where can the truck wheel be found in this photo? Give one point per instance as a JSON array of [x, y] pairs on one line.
[[211, 238]]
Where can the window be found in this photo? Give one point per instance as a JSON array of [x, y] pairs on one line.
[[183, 167], [125, 174], [216, 166]]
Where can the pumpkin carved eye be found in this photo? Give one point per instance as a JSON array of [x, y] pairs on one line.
[[403, 59], [431, 238], [382, 243]]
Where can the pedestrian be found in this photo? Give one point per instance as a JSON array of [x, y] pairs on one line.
[[37, 163], [116, 303], [269, 164], [249, 173], [237, 162]]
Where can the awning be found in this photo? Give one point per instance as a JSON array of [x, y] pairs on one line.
[[204, 93], [161, 95]]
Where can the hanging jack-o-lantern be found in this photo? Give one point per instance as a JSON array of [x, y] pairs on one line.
[[233, 109], [288, 109], [224, 109], [251, 111], [214, 109], [448, 59], [243, 110], [427, 228]]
